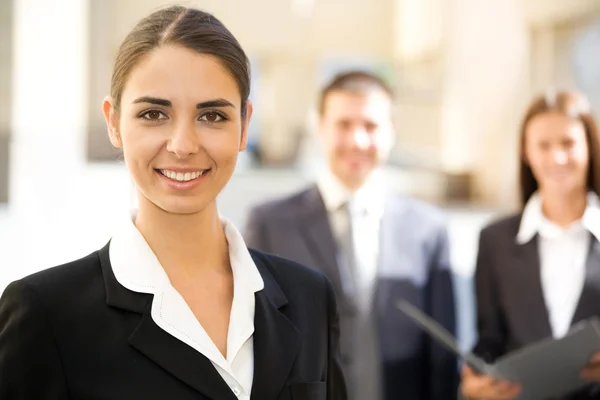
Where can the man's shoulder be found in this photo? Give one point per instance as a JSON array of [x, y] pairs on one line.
[[421, 210], [284, 206], [290, 275]]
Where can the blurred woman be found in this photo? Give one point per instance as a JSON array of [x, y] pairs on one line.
[[538, 272], [175, 306]]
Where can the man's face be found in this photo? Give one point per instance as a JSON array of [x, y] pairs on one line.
[[357, 133]]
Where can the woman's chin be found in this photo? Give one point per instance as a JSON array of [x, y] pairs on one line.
[[182, 206], [562, 187]]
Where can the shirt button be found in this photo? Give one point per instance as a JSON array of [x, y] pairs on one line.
[[237, 391]]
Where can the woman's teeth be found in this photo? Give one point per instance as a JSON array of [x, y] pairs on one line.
[[181, 176]]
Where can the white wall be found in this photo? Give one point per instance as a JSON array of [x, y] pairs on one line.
[[544, 12], [266, 26]]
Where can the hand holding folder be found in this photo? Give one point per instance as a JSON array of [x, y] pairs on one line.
[[592, 371], [544, 370], [474, 386]]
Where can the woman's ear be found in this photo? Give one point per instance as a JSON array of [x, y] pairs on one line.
[[245, 124], [524, 158], [112, 122]]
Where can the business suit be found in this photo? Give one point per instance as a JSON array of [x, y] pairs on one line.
[[74, 332], [413, 265], [511, 312]]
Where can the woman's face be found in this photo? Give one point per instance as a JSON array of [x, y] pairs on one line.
[[180, 128], [556, 149]]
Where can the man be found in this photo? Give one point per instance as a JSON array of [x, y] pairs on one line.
[[376, 248]]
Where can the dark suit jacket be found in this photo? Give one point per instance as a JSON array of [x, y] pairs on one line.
[[73, 332], [511, 311], [413, 265]]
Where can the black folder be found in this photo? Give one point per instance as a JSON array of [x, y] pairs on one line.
[[546, 369]]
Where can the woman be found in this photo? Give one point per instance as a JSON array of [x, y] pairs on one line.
[[537, 272], [175, 306]]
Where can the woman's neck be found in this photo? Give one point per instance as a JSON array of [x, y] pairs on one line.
[[185, 244], [564, 209]]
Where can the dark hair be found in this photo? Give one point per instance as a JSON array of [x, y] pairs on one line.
[[187, 27], [573, 105], [354, 82]]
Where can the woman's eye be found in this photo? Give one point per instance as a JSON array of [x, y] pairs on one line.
[[212, 117], [544, 145], [153, 115]]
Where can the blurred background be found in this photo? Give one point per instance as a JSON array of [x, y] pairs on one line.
[[463, 71]]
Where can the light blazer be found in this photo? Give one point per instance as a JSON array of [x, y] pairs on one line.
[[73, 332], [413, 265], [511, 311]]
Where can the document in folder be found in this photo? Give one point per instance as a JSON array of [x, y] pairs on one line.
[[545, 370]]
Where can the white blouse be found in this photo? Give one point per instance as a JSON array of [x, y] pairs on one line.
[[563, 254]]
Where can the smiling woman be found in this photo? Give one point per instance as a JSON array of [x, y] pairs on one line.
[[175, 305], [538, 271]]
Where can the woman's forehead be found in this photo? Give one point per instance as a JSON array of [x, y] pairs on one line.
[[180, 75]]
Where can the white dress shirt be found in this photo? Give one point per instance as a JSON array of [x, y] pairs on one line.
[[563, 254], [136, 267], [366, 210]]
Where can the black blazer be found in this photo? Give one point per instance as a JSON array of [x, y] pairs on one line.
[[73, 332], [511, 311], [413, 265]]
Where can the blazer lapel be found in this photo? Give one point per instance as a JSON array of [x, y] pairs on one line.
[[276, 339], [174, 356], [317, 232], [527, 290], [589, 301]]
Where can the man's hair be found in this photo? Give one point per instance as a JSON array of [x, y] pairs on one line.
[[359, 82]]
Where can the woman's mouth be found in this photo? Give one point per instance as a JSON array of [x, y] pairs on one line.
[[182, 176]]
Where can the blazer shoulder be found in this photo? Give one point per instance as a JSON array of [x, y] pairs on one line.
[[424, 212], [64, 281], [506, 226], [289, 274], [283, 206]]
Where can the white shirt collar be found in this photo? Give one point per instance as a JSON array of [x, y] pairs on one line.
[[136, 267], [533, 220], [369, 197]]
